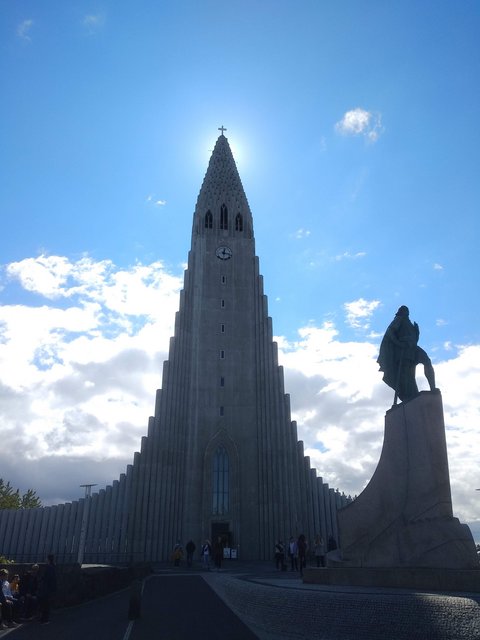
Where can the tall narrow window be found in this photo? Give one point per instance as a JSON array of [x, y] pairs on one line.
[[222, 328], [220, 488], [222, 304], [224, 279], [222, 354], [222, 381], [223, 217], [239, 222], [208, 220]]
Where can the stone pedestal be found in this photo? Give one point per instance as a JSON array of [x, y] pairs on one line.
[[404, 518]]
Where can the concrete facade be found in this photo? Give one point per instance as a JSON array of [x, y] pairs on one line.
[[221, 456]]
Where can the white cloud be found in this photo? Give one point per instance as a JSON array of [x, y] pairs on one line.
[[99, 350], [437, 266], [359, 312], [78, 376], [44, 275], [156, 202], [360, 122], [302, 233], [93, 22], [23, 30], [350, 256]]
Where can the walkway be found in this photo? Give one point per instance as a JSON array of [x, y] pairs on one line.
[[184, 604], [183, 607]]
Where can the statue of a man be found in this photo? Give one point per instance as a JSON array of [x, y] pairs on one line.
[[400, 354]]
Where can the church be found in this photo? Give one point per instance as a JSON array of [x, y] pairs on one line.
[[221, 458]]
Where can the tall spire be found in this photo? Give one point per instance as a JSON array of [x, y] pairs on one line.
[[222, 184]]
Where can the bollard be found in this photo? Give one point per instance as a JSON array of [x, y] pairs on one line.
[[135, 603]]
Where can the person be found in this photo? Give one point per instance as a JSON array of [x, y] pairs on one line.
[[333, 552], [399, 355], [8, 587], [206, 553], [190, 549], [15, 586], [279, 555], [332, 543], [319, 551], [7, 602], [177, 554], [218, 553], [293, 554], [28, 590], [47, 589], [302, 552]]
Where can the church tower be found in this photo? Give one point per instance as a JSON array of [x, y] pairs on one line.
[[221, 454], [221, 457]]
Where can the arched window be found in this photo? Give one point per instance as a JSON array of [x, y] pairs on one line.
[[220, 482], [239, 222], [223, 217], [208, 220]]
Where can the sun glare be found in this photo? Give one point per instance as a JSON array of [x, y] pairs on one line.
[[208, 144], [238, 153]]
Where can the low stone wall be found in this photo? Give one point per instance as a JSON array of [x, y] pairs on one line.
[[76, 584], [423, 578]]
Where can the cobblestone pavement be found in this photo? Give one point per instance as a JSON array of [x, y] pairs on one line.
[[280, 606]]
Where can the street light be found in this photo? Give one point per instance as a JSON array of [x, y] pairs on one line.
[[83, 530]]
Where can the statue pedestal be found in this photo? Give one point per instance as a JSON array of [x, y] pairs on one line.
[[404, 518]]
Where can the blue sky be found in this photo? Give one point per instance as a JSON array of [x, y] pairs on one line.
[[355, 130]]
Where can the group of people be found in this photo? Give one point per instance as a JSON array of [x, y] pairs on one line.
[[177, 554], [208, 553], [216, 552], [27, 596], [296, 551]]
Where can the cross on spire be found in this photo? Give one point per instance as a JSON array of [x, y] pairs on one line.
[[222, 129]]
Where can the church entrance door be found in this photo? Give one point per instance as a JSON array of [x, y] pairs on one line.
[[222, 530]]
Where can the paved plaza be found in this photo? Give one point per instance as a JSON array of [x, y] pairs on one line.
[[254, 601]]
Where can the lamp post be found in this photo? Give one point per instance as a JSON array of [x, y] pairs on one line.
[[83, 530]]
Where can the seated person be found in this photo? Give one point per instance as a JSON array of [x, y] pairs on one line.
[[9, 608], [15, 585]]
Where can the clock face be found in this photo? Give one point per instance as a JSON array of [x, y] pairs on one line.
[[224, 253]]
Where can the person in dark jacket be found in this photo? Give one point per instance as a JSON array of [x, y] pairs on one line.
[[218, 553], [302, 552], [28, 590], [190, 548], [280, 555], [47, 589]]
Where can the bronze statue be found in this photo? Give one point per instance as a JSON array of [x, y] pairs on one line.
[[400, 354]]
